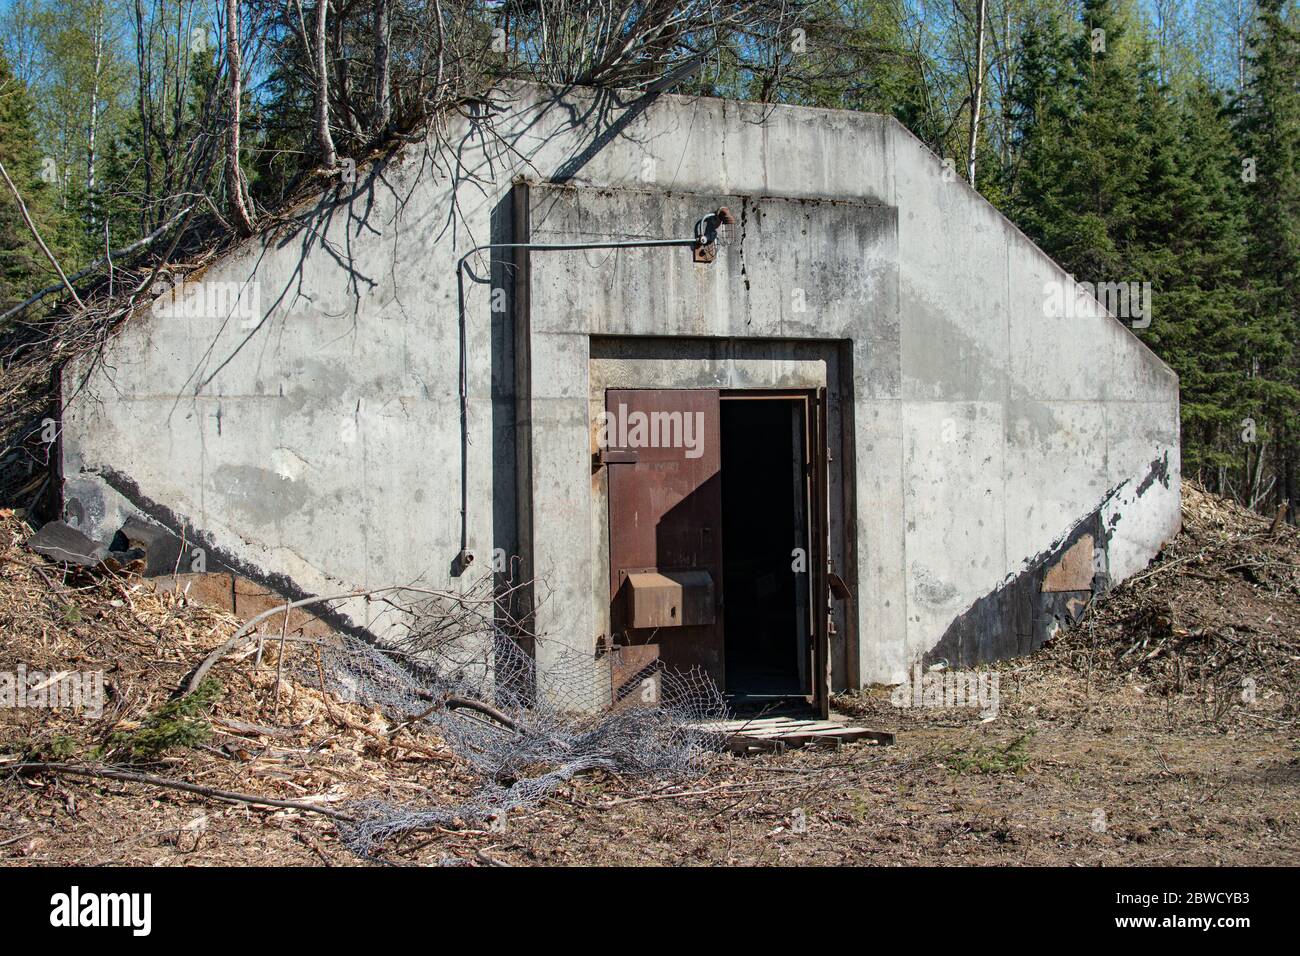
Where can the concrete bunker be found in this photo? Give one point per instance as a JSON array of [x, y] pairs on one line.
[[975, 465]]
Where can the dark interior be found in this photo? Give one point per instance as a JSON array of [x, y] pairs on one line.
[[759, 489]]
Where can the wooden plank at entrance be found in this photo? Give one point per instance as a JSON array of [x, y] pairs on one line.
[[776, 734]]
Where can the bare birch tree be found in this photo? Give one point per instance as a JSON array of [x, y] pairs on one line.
[[977, 89], [243, 221], [383, 81], [323, 138]]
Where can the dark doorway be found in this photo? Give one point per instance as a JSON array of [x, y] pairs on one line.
[[766, 565]]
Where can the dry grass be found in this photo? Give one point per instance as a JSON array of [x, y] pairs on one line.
[[1103, 752]]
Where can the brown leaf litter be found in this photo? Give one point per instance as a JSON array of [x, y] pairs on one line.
[[1161, 729]]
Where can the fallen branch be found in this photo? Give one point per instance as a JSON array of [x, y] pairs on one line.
[[1167, 566], [22, 209], [243, 726], [166, 782], [192, 685], [458, 703], [95, 266]]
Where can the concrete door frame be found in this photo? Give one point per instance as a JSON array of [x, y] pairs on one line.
[[565, 517], [566, 330]]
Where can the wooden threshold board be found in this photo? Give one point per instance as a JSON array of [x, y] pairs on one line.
[[769, 734]]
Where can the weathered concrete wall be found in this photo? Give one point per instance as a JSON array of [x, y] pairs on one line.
[[1018, 425], [317, 446], [308, 446]]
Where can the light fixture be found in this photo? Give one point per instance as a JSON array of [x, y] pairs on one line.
[[712, 231]]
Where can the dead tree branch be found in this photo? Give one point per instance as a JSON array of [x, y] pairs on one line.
[[113, 256], [36, 233], [234, 177], [229, 796]]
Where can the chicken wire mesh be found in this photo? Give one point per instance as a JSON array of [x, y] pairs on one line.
[[522, 730]]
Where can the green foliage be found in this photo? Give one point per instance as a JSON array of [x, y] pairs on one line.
[[1193, 233], [1078, 192], [55, 748], [1121, 176], [23, 268], [178, 723], [1011, 758], [859, 57], [1114, 141], [1269, 124]]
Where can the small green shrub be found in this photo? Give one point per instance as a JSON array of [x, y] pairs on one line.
[[1012, 758], [178, 723], [52, 749]]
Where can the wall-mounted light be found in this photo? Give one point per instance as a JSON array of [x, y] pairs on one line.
[[712, 231]]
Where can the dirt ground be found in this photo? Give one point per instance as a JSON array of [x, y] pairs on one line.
[[1161, 730]]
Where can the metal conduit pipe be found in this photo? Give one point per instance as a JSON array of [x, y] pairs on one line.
[[707, 231]]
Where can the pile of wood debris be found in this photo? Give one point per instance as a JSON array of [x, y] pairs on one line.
[[261, 733], [1216, 615], [266, 759], [179, 686]]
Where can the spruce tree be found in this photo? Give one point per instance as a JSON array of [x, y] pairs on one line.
[[1193, 234], [23, 268], [1041, 108], [1077, 189], [1270, 139]]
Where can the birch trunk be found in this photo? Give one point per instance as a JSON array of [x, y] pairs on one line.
[[234, 177], [977, 94]]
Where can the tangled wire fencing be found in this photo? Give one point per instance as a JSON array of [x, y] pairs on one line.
[[523, 730]]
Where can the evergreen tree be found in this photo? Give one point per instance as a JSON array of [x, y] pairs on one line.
[[1270, 137], [1042, 109], [1193, 233], [1105, 156], [23, 268], [1078, 188]]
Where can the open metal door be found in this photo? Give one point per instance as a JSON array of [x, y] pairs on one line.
[[664, 458], [819, 564]]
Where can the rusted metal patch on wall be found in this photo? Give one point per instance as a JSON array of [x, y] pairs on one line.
[[1074, 570], [1055, 588], [1023, 613]]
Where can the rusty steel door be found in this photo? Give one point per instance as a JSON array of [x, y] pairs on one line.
[[664, 462]]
